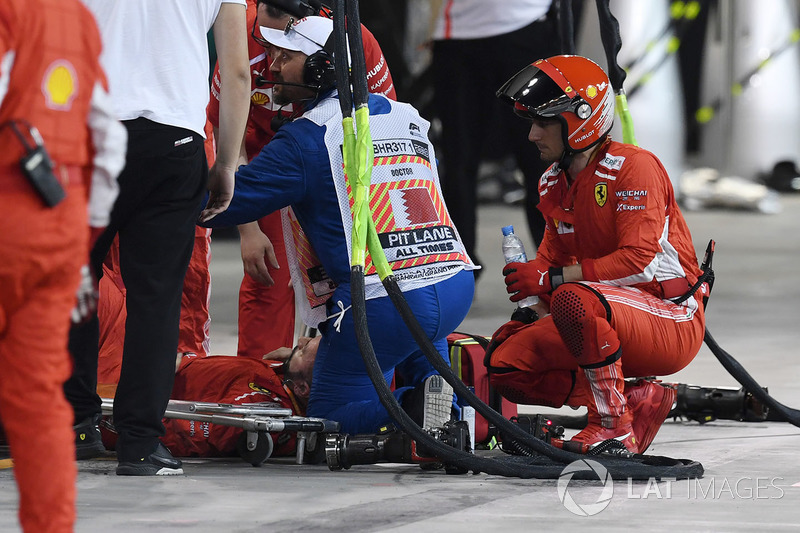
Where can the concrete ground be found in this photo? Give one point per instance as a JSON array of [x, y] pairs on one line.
[[752, 476]]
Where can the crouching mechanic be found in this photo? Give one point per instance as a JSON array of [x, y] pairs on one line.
[[302, 167], [616, 252]]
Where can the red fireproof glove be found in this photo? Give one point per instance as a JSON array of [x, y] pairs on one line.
[[533, 278]]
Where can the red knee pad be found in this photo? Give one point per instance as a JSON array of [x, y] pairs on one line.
[[581, 316]]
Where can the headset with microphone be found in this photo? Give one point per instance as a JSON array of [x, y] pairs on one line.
[[319, 75]]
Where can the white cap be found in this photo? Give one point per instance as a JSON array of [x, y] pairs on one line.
[[307, 35]]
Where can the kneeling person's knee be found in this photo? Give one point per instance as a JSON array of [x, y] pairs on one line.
[[582, 317]]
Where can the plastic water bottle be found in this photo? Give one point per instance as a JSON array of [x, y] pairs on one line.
[[514, 252]]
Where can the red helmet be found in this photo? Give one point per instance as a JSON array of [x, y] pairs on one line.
[[572, 88]]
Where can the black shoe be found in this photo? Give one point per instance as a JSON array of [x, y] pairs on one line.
[[88, 441], [158, 463]]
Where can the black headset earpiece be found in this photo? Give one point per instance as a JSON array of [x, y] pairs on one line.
[[319, 69], [297, 8]]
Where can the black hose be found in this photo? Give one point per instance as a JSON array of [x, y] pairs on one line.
[[749, 383], [340, 56], [359, 64], [638, 467], [612, 42], [566, 27]]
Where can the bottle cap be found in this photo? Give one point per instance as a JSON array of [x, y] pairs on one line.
[[508, 230]]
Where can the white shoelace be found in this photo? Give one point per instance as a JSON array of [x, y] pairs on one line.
[[339, 316]]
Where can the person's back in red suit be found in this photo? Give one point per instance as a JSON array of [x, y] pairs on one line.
[[49, 58]]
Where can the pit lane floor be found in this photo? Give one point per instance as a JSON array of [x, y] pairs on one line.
[[752, 475]]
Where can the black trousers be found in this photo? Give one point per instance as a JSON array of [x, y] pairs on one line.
[[161, 189], [467, 74]]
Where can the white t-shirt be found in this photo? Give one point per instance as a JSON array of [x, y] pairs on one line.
[[477, 19], [155, 54]]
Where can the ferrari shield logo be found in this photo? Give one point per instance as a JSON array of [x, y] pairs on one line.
[[601, 194]]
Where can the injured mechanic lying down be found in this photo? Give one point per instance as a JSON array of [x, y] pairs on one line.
[[617, 266], [298, 366], [302, 167]]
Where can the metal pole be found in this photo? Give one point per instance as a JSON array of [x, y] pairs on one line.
[[728, 15]]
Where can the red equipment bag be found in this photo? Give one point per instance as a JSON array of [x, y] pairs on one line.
[[466, 359]]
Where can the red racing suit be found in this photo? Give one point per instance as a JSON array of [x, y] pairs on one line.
[[228, 380], [620, 221], [266, 314], [50, 78]]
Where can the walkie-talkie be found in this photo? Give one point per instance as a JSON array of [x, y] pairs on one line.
[[37, 165]]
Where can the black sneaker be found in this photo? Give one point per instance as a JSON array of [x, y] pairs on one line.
[[88, 441], [158, 463]]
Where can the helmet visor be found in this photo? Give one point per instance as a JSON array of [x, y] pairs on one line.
[[533, 94]]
